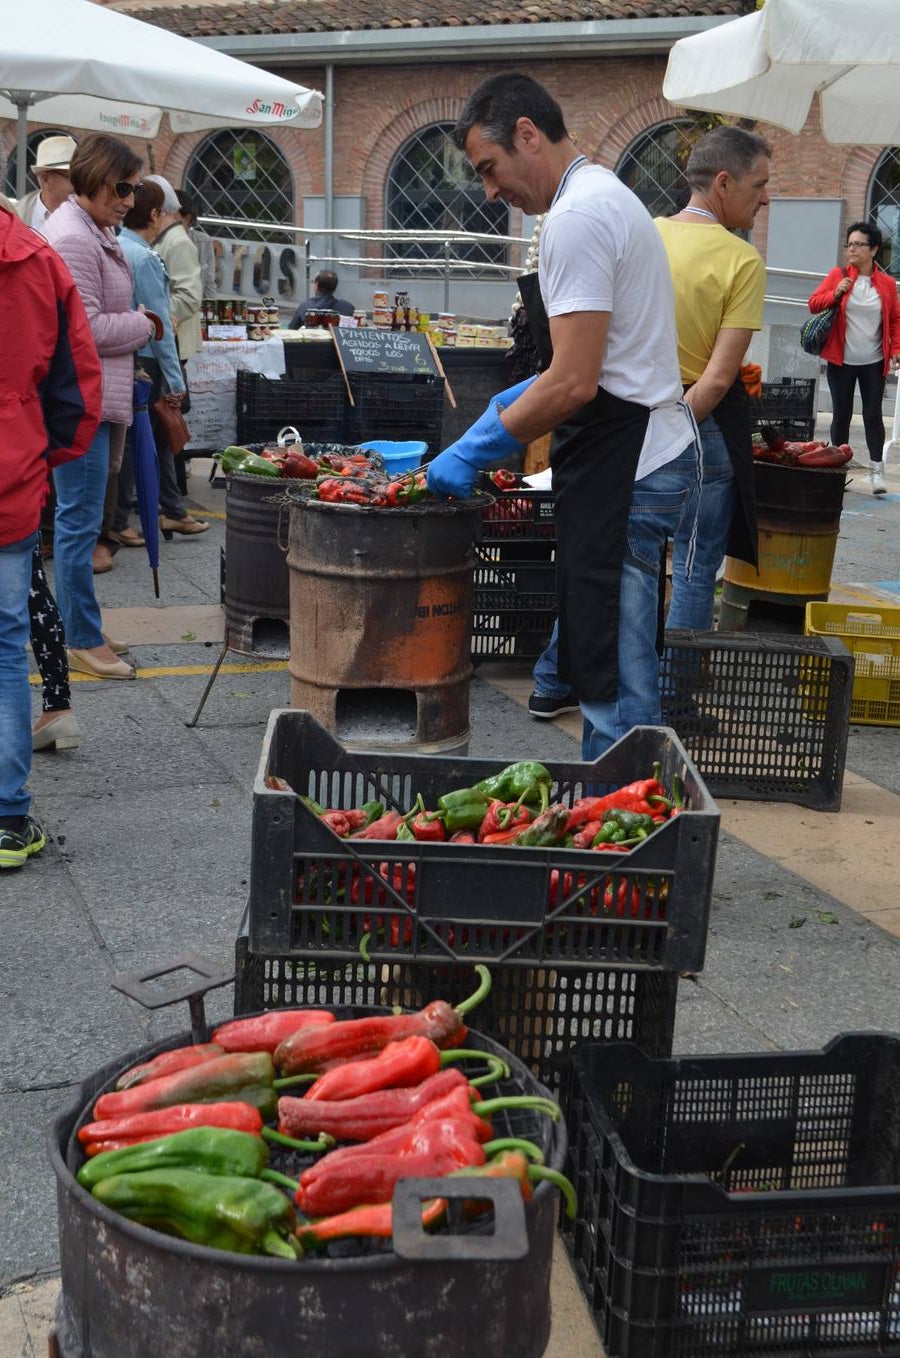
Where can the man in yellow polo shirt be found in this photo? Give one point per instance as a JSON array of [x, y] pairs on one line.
[[719, 282]]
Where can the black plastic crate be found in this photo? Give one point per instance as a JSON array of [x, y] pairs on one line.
[[539, 1014], [515, 575], [764, 718], [738, 1205], [397, 407], [509, 622], [790, 405], [315, 404], [313, 894]]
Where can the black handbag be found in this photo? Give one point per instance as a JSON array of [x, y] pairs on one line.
[[814, 332]]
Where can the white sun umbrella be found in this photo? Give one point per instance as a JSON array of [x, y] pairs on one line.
[[769, 65], [72, 63]]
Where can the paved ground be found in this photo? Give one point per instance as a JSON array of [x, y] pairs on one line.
[[149, 857]]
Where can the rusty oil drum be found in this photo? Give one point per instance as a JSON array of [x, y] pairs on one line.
[[381, 608]]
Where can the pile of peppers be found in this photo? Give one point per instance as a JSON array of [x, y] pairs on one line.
[[338, 478], [513, 808], [182, 1143]]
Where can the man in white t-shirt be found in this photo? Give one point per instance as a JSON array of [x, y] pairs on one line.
[[624, 454]]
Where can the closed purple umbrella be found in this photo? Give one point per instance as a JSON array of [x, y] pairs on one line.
[[146, 472]]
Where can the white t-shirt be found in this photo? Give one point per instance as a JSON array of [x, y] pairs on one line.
[[863, 342], [601, 252]]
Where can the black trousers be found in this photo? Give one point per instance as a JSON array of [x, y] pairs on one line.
[[842, 382], [48, 639]]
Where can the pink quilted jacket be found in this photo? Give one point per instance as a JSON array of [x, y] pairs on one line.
[[103, 279]]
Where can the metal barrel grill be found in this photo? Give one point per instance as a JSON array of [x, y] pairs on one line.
[[255, 593], [477, 1285], [381, 621]]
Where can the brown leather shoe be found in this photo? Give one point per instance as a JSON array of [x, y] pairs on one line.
[[187, 526], [101, 559], [128, 537]]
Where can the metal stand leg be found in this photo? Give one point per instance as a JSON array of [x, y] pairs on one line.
[[212, 680]]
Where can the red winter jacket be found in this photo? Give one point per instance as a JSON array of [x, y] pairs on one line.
[[886, 287], [50, 387]]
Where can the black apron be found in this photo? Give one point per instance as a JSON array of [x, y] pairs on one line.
[[732, 415], [594, 458]]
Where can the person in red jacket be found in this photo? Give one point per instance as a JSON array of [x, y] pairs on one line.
[[864, 341], [50, 404]]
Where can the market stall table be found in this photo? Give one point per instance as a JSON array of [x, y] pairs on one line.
[[212, 382]]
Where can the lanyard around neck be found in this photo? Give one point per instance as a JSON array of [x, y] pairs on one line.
[[570, 169]]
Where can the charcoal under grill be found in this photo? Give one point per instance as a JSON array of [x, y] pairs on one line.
[[131, 1292]]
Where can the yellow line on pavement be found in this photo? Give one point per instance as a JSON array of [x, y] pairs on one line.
[[167, 671]]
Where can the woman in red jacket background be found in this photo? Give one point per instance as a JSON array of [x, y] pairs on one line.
[[864, 342]]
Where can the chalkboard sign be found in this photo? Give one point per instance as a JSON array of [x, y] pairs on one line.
[[369, 350]]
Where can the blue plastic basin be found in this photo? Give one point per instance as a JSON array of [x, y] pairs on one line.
[[398, 457]]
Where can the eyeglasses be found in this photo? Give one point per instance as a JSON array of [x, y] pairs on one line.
[[859, 245], [124, 188]]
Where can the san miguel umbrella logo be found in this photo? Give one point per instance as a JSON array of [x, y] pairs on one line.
[[264, 108]]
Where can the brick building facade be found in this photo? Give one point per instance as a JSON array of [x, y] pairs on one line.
[[610, 101]]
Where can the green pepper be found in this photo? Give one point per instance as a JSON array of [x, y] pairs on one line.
[[314, 806], [463, 810], [228, 1212], [546, 829], [242, 460], [374, 811], [404, 832], [208, 1150], [526, 781], [633, 822]]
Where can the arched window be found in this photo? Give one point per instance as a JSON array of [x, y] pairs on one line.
[[432, 187], [10, 187], [653, 166], [884, 207], [241, 173]]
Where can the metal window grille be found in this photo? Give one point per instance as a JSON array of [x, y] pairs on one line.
[[653, 166], [241, 174], [432, 187], [34, 140], [884, 207]]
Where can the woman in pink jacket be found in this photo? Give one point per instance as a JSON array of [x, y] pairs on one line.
[[104, 174], [864, 341]]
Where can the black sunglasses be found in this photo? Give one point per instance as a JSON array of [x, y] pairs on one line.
[[124, 188]]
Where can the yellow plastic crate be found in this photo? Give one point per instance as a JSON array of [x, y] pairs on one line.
[[872, 633]]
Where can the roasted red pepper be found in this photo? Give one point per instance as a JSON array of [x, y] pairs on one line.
[[433, 1148], [310, 1048], [263, 1033], [112, 1133], [182, 1058], [245, 1077], [297, 466], [384, 828], [362, 1118], [396, 1066]]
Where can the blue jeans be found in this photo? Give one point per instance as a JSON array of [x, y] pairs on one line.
[[80, 492], [15, 695], [659, 506], [692, 603]]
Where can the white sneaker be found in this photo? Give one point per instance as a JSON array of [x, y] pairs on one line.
[[876, 472]]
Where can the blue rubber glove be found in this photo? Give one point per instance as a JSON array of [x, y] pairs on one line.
[[484, 444]]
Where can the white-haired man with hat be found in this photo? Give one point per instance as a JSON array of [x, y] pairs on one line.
[[51, 170]]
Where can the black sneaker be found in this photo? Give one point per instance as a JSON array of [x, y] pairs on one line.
[[18, 844], [539, 705]]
